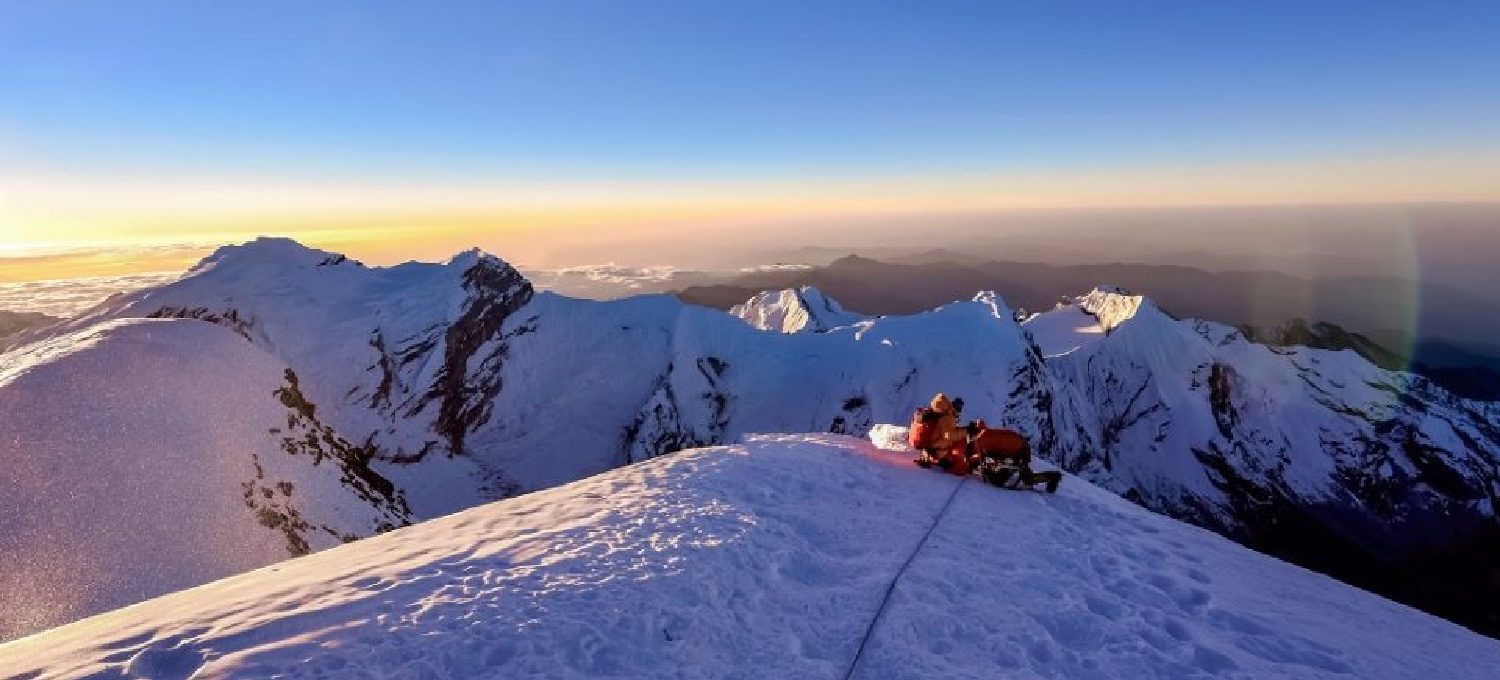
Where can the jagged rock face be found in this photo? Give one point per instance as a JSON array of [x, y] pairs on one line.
[[305, 435], [465, 387], [229, 318]]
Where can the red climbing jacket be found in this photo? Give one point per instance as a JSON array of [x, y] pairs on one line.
[[927, 435], [924, 429], [955, 461]]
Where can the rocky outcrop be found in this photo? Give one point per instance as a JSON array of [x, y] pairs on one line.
[[304, 436], [228, 317], [473, 350]]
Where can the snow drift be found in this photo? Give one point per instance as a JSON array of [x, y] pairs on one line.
[[770, 559]]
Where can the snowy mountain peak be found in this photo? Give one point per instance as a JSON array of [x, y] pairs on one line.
[[995, 303], [1111, 305], [794, 310], [482, 271], [1084, 320], [266, 251], [475, 256]]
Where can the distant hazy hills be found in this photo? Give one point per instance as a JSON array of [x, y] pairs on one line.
[[1447, 333]]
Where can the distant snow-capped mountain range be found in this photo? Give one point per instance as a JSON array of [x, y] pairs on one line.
[[279, 399]]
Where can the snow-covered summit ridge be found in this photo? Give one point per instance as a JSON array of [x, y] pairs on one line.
[[769, 559], [274, 251], [283, 254], [1083, 320], [460, 385], [477, 256], [794, 310]]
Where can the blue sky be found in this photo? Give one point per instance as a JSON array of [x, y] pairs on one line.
[[421, 94], [736, 87]]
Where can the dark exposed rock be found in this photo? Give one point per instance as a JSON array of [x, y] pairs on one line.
[[338, 259], [305, 436], [1220, 398], [386, 364], [659, 428], [229, 318], [856, 419], [1322, 335], [496, 291]]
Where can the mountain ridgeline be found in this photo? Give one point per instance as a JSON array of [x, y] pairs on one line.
[[430, 388], [1444, 332]]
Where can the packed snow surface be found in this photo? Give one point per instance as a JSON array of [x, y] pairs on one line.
[[1083, 320], [771, 559], [1063, 330]]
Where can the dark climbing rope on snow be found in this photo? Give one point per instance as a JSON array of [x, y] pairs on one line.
[[891, 588]]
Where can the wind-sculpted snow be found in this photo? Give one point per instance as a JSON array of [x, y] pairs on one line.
[[769, 559], [458, 384]]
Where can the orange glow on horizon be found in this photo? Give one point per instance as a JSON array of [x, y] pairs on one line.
[[539, 222]]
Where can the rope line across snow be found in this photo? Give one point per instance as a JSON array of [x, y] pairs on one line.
[[885, 599]]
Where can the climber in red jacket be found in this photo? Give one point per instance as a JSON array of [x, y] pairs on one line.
[[936, 434]]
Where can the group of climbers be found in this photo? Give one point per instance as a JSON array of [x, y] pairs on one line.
[[1002, 457]]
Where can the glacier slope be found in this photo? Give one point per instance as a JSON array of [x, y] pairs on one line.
[[190, 465], [769, 559]]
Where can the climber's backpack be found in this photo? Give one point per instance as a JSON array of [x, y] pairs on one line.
[[1002, 446]]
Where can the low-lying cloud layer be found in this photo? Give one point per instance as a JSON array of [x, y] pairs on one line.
[[68, 297], [71, 296]]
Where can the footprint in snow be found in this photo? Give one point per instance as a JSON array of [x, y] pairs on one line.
[[161, 663]]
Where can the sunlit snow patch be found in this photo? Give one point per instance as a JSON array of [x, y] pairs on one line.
[[770, 559]]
